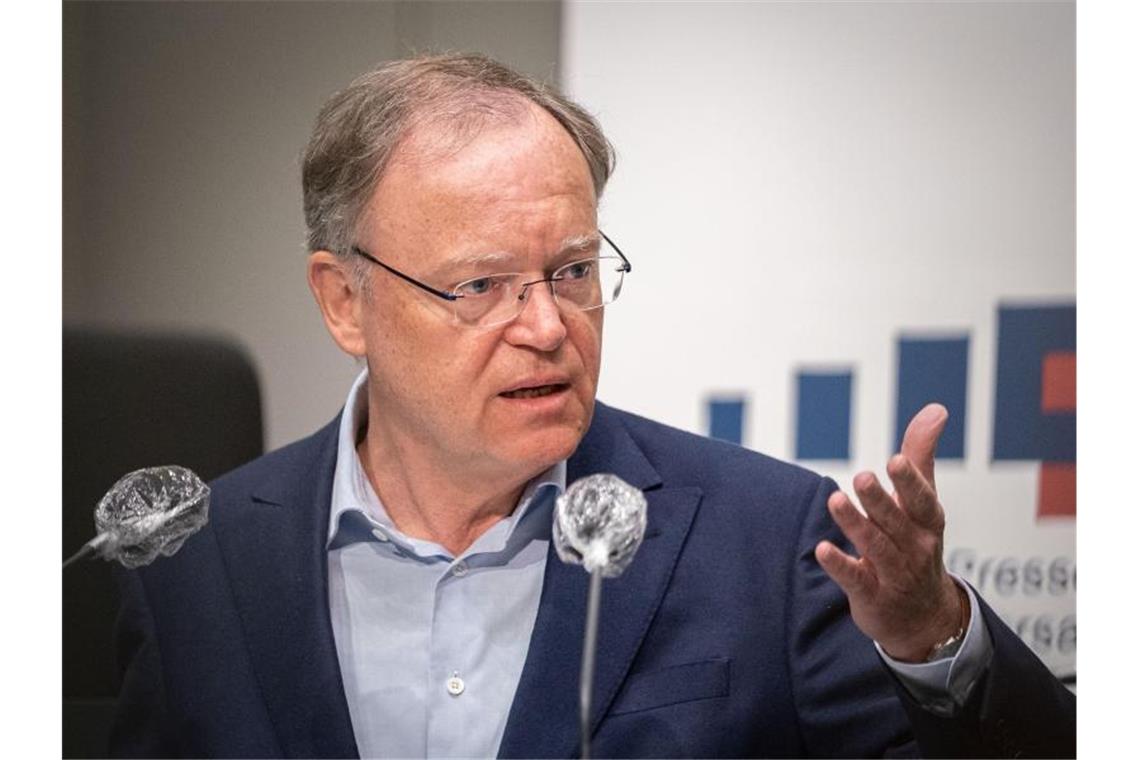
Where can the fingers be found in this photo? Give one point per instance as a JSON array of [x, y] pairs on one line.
[[920, 441], [869, 538], [915, 494], [882, 509], [854, 577]]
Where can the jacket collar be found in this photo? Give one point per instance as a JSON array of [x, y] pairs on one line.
[[275, 558]]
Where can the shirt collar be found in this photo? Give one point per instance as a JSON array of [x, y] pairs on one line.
[[353, 493]]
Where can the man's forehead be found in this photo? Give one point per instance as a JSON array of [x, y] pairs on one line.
[[492, 181], [517, 191]]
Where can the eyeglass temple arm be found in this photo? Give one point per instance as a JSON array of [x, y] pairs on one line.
[[406, 278], [625, 262]]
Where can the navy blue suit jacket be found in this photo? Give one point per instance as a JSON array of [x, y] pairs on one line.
[[723, 638]]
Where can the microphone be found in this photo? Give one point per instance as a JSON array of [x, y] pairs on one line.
[[146, 513], [598, 523]]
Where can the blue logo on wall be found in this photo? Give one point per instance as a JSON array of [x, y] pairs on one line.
[[1034, 401]]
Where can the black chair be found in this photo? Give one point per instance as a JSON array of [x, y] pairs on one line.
[[132, 401]]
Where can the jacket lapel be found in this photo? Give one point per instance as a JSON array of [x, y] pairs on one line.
[[543, 721], [275, 557]]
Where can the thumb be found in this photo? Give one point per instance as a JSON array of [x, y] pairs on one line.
[[920, 440]]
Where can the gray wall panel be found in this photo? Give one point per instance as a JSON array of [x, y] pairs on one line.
[[183, 124]]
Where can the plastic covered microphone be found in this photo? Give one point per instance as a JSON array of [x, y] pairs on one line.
[[147, 513], [598, 523]]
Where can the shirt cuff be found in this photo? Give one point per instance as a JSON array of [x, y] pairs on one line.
[[943, 686]]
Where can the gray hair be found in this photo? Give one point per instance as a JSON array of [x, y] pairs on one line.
[[359, 129]]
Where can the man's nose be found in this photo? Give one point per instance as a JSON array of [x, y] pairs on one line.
[[539, 324]]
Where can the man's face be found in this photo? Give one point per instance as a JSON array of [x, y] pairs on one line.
[[509, 201]]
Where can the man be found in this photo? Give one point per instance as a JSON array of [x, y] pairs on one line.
[[387, 586]]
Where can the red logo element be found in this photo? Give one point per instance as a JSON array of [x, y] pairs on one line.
[[1057, 485]]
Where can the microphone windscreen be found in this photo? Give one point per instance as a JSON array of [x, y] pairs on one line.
[[150, 512], [599, 523]]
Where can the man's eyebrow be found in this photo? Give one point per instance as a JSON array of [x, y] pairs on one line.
[[487, 258], [480, 260], [580, 243]]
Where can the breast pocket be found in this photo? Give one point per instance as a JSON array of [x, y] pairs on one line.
[[648, 690]]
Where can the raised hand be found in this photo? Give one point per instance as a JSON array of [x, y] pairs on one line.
[[898, 588]]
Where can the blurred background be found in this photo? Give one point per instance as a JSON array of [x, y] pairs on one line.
[[835, 212]]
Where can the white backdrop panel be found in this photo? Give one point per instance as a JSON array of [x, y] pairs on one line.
[[799, 184]]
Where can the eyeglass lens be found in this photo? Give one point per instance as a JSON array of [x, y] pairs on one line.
[[585, 284]]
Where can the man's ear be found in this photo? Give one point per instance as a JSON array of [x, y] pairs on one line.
[[339, 297]]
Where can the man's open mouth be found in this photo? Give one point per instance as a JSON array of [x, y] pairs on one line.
[[535, 392]]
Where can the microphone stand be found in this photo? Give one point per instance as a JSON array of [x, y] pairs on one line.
[[86, 549], [589, 655]]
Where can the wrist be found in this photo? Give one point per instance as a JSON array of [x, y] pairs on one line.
[[944, 636], [949, 646]]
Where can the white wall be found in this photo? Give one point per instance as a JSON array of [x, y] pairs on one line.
[[799, 183]]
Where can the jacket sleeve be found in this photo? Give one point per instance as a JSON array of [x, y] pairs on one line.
[[140, 723], [1017, 709]]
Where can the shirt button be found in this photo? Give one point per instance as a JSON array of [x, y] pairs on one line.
[[460, 569], [455, 685], [380, 535]]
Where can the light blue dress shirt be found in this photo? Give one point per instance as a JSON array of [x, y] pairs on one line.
[[431, 646]]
